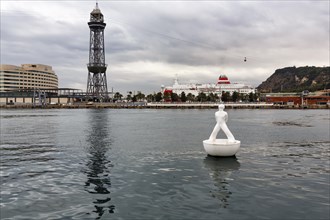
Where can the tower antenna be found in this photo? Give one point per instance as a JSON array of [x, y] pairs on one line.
[[97, 5]]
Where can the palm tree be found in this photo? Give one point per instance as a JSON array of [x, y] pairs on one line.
[[251, 97], [150, 98], [190, 97], [174, 97], [212, 97], [140, 96], [183, 97], [118, 96], [201, 97], [158, 97], [225, 96], [129, 96], [235, 96]]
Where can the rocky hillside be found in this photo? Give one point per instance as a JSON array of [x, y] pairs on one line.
[[297, 79]]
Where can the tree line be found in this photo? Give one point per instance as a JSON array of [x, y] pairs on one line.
[[183, 97]]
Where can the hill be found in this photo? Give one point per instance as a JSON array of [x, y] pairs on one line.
[[297, 79]]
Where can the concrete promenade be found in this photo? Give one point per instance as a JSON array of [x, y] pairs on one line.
[[208, 105], [143, 105]]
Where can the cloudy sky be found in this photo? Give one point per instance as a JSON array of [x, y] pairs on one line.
[[148, 42]]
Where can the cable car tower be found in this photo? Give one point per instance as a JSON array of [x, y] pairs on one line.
[[97, 81]]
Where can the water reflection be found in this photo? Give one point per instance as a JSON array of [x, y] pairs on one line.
[[98, 167], [220, 169]]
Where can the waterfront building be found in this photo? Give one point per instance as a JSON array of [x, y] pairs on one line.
[[223, 85], [304, 98], [27, 77]]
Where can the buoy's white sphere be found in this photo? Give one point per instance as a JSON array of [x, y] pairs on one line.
[[221, 147]]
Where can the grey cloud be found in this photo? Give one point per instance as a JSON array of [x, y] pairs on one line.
[[29, 40], [185, 34]]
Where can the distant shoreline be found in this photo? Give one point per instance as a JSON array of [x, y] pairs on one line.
[[139, 105]]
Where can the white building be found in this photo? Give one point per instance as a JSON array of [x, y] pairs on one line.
[[223, 85]]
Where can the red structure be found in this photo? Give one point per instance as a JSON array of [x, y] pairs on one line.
[[302, 99], [167, 95], [223, 79]]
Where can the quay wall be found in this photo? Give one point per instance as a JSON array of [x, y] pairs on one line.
[[142, 105]]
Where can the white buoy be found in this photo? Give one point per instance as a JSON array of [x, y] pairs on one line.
[[221, 147]]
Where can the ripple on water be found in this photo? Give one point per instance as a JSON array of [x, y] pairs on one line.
[[98, 165], [291, 123], [26, 116], [299, 171]]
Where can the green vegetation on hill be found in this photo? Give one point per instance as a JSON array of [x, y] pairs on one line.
[[297, 79]]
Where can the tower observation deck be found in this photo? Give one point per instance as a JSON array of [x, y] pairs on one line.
[[97, 81]]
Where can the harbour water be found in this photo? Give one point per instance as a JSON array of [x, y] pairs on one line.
[[150, 164]]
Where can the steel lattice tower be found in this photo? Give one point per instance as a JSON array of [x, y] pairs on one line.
[[97, 81]]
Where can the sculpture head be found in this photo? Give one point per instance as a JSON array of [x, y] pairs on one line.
[[221, 106]]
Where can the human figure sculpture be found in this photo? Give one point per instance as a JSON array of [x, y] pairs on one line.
[[221, 117]]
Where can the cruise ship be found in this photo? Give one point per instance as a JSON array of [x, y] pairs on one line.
[[223, 85]]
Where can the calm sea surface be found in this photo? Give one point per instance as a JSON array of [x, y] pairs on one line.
[[150, 164]]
